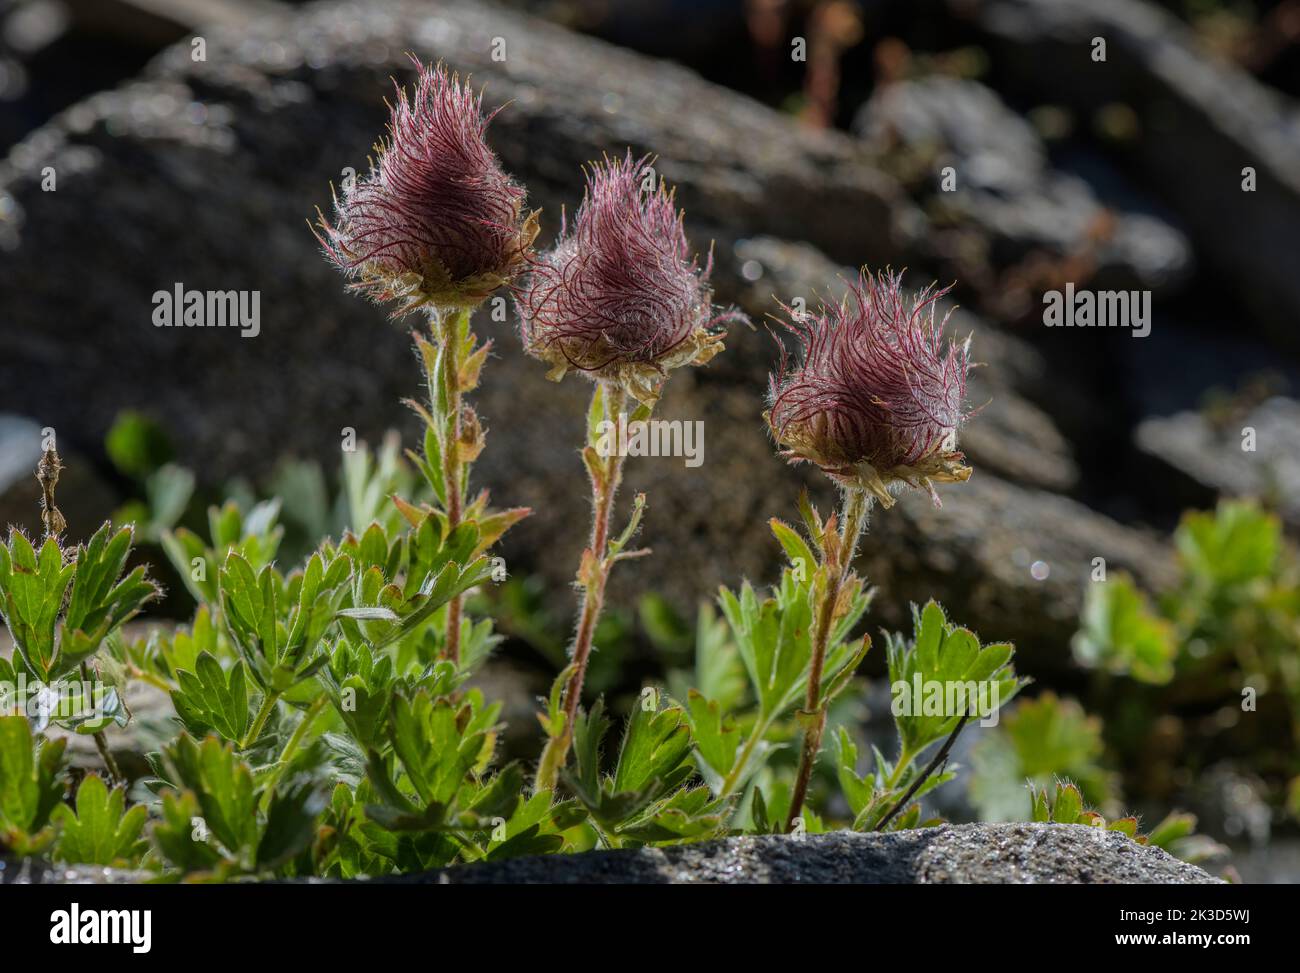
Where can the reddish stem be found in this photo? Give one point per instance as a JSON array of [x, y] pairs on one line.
[[593, 574], [853, 517], [593, 598]]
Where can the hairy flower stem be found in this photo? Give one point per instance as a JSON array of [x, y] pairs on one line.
[[47, 475], [450, 328], [737, 774], [597, 561], [259, 721], [837, 560], [291, 748], [101, 742]]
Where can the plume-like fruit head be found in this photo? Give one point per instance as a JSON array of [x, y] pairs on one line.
[[620, 298], [436, 222], [876, 396]]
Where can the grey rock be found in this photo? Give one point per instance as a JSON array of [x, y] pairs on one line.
[[1232, 801], [1209, 460], [961, 121], [27, 871], [1277, 863], [951, 854], [688, 31], [152, 23], [1012, 436], [1006, 187], [1202, 122], [984, 854]]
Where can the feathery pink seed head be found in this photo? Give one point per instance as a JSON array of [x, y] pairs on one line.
[[619, 296], [436, 221], [876, 398]]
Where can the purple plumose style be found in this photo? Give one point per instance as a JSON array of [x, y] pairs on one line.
[[620, 298], [876, 397], [436, 222]]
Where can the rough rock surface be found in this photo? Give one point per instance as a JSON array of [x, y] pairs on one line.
[[31, 872], [986, 854], [1201, 123], [1015, 560], [1206, 460], [968, 853], [1005, 185]]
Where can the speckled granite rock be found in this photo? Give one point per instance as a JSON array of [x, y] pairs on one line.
[[969, 853], [31, 872], [982, 854]]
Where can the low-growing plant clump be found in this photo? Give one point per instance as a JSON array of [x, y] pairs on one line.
[[327, 720]]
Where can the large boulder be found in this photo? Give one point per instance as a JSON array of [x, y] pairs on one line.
[[983, 854], [1202, 123], [1004, 185], [1255, 453]]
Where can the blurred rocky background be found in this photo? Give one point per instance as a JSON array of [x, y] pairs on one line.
[[976, 141]]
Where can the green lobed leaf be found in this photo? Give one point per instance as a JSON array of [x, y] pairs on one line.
[[101, 831]]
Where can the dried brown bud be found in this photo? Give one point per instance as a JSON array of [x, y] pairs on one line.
[[47, 475]]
